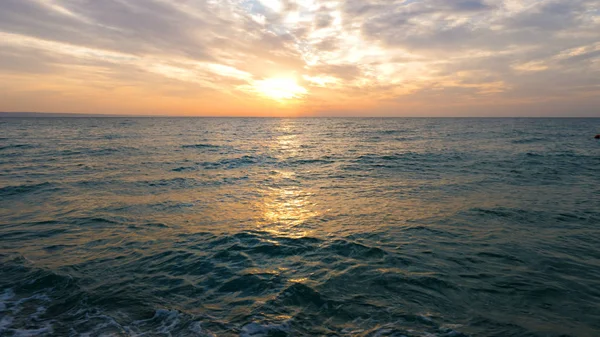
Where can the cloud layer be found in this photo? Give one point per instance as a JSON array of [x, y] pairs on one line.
[[353, 57]]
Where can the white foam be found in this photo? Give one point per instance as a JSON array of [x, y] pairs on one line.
[[37, 297], [33, 332], [5, 322], [7, 295], [258, 330], [108, 322], [426, 318], [163, 322], [170, 320], [10, 305], [196, 328]]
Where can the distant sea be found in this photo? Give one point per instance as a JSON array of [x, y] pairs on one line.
[[299, 227]]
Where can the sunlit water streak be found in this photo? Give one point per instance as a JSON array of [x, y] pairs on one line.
[[275, 227]]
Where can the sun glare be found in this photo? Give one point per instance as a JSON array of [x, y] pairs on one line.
[[280, 89]]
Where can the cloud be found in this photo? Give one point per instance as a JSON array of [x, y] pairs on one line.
[[372, 53]]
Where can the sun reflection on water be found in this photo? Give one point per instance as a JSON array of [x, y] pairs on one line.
[[286, 210], [286, 205]]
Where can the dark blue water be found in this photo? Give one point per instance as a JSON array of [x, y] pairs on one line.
[[299, 227]]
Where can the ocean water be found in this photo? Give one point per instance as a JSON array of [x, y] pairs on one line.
[[299, 227]]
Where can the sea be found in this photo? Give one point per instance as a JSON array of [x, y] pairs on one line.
[[433, 227]]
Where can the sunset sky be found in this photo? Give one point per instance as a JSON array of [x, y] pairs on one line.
[[301, 58]]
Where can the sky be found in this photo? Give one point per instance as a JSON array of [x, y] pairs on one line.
[[301, 58]]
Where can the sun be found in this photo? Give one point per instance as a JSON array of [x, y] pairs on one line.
[[280, 89]]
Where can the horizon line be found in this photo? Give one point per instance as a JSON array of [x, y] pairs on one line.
[[23, 114]]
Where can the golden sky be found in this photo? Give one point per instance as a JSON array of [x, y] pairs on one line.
[[301, 58]]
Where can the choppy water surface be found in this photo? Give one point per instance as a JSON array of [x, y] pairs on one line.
[[299, 227]]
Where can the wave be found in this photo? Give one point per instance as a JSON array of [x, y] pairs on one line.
[[521, 216], [19, 190], [185, 168], [299, 294], [227, 268], [355, 250], [234, 163], [206, 147], [410, 156], [17, 146], [99, 152], [43, 300], [298, 162], [152, 230], [199, 146], [529, 140], [251, 284]]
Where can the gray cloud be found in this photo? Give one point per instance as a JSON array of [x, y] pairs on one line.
[[110, 24], [492, 41], [431, 25], [139, 27]]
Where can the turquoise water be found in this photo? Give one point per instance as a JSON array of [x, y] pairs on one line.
[[299, 227]]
